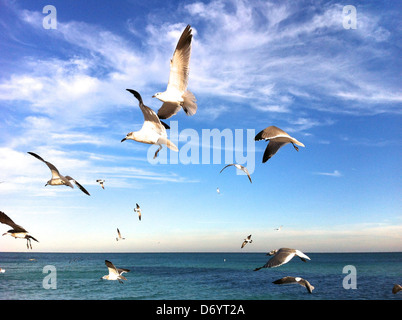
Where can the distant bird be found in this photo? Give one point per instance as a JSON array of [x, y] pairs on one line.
[[138, 209], [278, 229], [176, 95], [297, 280], [101, 181], [119, 235], [396, 288], [218, 191], [16, 231], [2, 270], [240, 167], [247, 240], [114, 273], [282, 256], [152, 131], [57, 178], [277, 139]]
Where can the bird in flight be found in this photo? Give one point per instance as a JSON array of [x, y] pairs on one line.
[[176, 95], [240, 167], [138, 209], [247, 240], [295, 280], [57, 178], [152, 131], [101, 181], [16, 231], [119, 237], [277, 139], [114, 273], [282, 256]]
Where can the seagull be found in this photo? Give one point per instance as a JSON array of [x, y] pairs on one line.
[[240, 167], [57, 178], [119, 235], [138, 209], [396, 288], [2, 270], [16, 231], [282, 256], [247, 240], [277, 139], [114, 273], [152, 131], [176, 95], [218, 191], [297, 280], [278, 229], [101, 181]]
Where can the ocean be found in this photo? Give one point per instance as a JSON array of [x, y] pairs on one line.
[[197, 276]]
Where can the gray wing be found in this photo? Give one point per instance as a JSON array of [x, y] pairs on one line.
[[232, 164], [121, 270], [53, 169], [78, 185], [272, 148], [6, 220], [111, 267], [179, 64], [269, 133], [168, 109], [150, 117]]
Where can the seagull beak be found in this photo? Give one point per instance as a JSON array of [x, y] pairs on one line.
[[4, 234], [154, 96], [124, 139]]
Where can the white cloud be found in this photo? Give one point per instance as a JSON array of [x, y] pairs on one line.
[[336, 173]]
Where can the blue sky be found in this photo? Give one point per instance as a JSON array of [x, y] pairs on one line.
[[253, 64]]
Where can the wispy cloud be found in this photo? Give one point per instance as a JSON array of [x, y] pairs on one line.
[[336, 174]]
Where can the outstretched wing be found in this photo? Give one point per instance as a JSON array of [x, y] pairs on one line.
[[6, 220], [179, 64], [78, 185], [53, 169]]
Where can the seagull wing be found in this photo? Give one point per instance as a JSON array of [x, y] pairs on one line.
[[244, 169], [121, 270], [112, 269], [78, 185], [272, 148], [281, 257], [168, 109], [151, 120], [6, 220], [53, 169], [179, 64], [243, 244], [118, 232], [232, 164]]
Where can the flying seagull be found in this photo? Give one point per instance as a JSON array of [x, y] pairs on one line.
[[114, 273], [2, 270], [138, 209], [297, 280], [247, 240], [282, 256], [57, 178], [277, 139], [396, 288], [101, 181], [240, 167], [218, 191], [278, 229], [119, 235], [176, 95], [16, 231], [152, 131]]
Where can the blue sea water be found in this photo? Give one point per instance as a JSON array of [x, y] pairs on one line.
[[197, 276]]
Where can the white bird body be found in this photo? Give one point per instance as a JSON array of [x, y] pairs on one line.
[[176, 95], [152, 130], [114, 273], [57, 178]]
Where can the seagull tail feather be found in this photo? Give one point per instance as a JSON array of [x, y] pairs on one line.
[[189, 103]]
